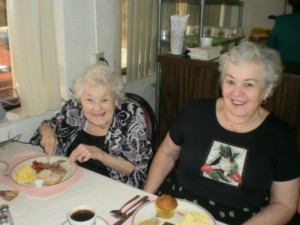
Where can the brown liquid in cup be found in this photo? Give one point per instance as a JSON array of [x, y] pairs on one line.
[[82, 215]]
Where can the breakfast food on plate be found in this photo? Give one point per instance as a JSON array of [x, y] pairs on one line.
[[166, 206], [52, 179], [40, 166], [43, 174], [24, 174], [39, 171], [150, 222], [49, 177], [190, 217], [49, 174]]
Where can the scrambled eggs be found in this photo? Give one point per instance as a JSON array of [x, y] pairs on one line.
[[194, 218], [24, 174]]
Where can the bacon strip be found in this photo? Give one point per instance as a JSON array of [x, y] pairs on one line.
[[39, 166]]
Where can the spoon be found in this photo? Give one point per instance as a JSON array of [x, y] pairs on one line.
[[126, 215], [117, 213]]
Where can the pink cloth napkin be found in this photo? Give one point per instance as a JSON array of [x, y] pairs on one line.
[[37, 192]]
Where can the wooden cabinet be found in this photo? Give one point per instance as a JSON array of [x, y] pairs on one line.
[[285, 102], [184, 79]]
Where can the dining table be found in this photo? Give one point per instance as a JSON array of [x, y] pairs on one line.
[[50, 205]]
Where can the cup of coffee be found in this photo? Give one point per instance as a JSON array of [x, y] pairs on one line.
[[82, 215]]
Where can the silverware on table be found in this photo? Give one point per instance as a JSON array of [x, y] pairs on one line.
[[117, 213], [126, 215]]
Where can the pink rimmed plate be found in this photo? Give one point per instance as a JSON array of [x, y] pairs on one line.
[[148, 211], [70, 168]]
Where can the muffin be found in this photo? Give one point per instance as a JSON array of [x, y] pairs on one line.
[[166, 206]]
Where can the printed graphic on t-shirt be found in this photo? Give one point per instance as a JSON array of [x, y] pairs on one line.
[[225, 163]]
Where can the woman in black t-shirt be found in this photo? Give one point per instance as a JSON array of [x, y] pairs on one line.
[[230, 155]]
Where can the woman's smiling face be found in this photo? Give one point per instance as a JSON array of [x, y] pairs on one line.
[[243, 89], [98, 104]]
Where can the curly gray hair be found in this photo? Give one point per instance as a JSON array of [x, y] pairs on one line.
[[268, 58], [99, 74]]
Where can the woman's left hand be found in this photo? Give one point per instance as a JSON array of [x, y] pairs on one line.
[[84, 152]]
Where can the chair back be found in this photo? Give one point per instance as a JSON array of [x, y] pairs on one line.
[[150, 118]]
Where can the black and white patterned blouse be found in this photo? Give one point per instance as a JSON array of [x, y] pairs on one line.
[[126, 137]]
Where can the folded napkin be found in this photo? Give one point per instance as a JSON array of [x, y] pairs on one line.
[[37, 192]]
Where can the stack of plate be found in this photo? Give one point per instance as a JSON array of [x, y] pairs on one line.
[[205, 53]]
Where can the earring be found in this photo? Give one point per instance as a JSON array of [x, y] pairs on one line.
[[264, 101]]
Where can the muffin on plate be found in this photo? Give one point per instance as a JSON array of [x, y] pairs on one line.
[[166, 206]]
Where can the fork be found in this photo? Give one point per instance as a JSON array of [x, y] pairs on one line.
[[126, 216], [117, 213], [122, 214], [57, 162]]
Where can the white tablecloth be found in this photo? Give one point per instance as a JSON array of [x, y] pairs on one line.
[[102, 193]]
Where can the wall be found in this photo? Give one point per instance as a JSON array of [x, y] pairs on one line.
[[256, 13], [76, 47], [76, 51]]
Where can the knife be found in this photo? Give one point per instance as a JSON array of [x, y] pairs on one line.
[[126, 217]]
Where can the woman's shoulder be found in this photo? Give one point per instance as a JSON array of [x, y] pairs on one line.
[[73, 106], [71, 103], [199, 108], [129, 106], [273, 121], [288, 17], [203, 103]]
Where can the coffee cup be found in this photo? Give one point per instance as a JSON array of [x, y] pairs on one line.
[[82, 215]]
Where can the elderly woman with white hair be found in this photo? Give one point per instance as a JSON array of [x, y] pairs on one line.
[[100, 129], [232, 156]]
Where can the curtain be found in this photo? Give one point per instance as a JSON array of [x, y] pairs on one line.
[[141, 38], [33, 49], [168, 9]]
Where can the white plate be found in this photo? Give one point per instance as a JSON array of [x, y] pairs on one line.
[[70, 168], [148, 211], [99, 221], [3, 167]]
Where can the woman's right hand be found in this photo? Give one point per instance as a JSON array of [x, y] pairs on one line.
[[48, 139]]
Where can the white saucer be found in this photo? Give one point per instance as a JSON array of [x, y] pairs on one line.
[[3, 167], [99, 221]]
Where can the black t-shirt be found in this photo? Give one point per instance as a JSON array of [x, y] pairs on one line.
[[232, 168], [88, 139]]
